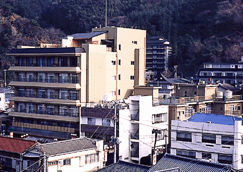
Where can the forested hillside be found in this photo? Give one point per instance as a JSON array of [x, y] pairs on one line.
[[199, 30]]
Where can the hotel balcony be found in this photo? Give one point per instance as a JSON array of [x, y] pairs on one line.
[[44, 69], [45, 85], [44, 115], [44, 127]]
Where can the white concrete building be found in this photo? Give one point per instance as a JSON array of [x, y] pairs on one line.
[[135, 128], [75, 155], [210, 137]]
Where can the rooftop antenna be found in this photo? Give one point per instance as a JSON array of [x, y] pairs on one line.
[[106, 20]]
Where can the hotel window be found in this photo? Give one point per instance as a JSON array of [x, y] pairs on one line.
[[21, 76], [119, 46], [51, 77], [209, 138], [63, 94], [67, 162], [113, 62], [50, 110], [41, 77], [21, 107], [41, 93], [225, 159], [62, 61], [157, 118], [29, 92], [30, 108], [41, 109], [73, 62], [132, 62], [73, 95], [41, 61], [91, 121], [63, 78], [21, 61], [119, 77], [30, 77], [29, 61], [63, 110], [227, 140], [206, 155], [74, 78], [119, 92], [106, 122], [51, 61], [73, 111], [185, 153], [51, 94], [21, 92], [183, 136], [119, 61], [132, 77]]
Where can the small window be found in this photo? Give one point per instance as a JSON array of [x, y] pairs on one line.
[[91, 121], [119, 92], [113, 62], [67, 162], [134, 42], [52, 163], [119, 77], [227, 140], [241, 159], [119, 46], [209, 138], [186, 153], [206, 155], [132, 77], [241, 139], [225, 159], [119, 61], [132, 62], [106, 122], [184, 136]]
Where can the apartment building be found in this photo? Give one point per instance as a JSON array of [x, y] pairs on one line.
[[231, 73], [136, 126], [158, 53], [210, 137], [53, 83]]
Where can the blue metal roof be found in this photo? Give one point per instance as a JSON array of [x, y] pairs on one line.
[[86, 35], [183, 164], [214, 118]]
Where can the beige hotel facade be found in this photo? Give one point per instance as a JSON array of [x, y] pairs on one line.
[[53, 81]]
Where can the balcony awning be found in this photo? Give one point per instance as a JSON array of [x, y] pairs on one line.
[[41, 133]]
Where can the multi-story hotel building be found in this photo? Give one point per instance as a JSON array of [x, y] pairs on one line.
[[52, 83]]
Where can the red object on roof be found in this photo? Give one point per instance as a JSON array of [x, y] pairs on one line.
[[14, 145]]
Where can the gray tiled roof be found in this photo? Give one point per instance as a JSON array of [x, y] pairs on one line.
[[122, 166], [169, 162], [86, 35], [66, 146]]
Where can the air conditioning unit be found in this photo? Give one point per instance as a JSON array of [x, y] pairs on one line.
[[60, 162]]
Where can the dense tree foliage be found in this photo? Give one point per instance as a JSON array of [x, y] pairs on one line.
[[199, 30]]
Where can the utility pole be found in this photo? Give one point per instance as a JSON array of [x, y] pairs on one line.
[[106, 17], [115, 139], [156, 132], [5, 77], [80, 118]]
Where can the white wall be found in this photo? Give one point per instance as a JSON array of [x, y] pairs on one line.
[[2, 101]]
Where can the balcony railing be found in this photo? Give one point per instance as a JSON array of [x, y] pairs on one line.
[[135, 117], [135, 153], [48, 96], [50, 80], [49, 112], [135, 135]]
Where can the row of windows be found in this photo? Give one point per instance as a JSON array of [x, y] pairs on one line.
[[222, 158], [89, 159], [119, 77], [47, 122], [105, 122], [47, 77], [113, 62], [47, 61], [47, 109], [48, 93], [206, 138]]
